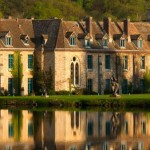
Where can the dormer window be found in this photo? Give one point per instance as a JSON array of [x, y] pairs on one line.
[[71, 37], [25, 39], [122, 43], [137, 40], [87, 43], [72, 40], [6, 38], [105, 43], [8, 41], [140, 43]]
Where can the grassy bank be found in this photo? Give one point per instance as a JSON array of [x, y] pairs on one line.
[[104, 102]]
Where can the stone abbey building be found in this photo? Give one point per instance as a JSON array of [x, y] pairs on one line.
[[81, 54]]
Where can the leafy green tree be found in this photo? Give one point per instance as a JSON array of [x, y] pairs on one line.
[[38, 78], [17, 72], [147, 80]]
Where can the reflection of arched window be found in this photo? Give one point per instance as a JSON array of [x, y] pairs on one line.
[[75, 71], [72, 119], [75, 119]]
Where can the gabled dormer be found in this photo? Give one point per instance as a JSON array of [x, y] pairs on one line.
[[102, 39], [137, 39], [25, 39], [87, 41], [120, 39], [44, 38], [71, 36], [6, 38]]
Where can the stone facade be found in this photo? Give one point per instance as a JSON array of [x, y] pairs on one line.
[[81, 54]]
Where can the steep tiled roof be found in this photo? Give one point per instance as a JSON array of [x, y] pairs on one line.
[[57, 33], [16, 27]]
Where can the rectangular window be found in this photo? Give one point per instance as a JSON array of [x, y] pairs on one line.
[[142, 62], [90, 62], [143, 127], [90, 84], [108, 128], [125, 86], [122, 43], [90, 128], [126, 127], [105, 43], [107, 61], [105, 147], [10, 61], [123, 147], [8, 41], [10, 86], [30, 85], [142, 85], [140, 43], [87, 43], [10, 130], [107, 82], [72, 41], [30, 61], [125, 62], [140, 146], [30, 129]]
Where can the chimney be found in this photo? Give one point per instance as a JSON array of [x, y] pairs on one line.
[[89, 25], [126, 28], [107, 27]]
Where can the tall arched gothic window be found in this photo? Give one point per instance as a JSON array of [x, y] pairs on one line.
[[75, 71]]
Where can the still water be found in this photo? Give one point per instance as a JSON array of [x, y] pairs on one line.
[[66, 130]]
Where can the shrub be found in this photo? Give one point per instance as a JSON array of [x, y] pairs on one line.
[[51, 92], [83, 91], [63, 92], [107, 91], [5, 92]]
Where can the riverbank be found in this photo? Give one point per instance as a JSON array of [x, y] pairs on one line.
[[105, 102]]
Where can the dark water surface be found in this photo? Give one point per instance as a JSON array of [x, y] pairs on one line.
[[66, 130]]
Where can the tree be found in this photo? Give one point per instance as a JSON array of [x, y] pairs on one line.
[[147, 80], [17, 72], [38, 78]]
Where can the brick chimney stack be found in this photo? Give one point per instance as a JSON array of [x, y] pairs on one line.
[[126, 28], [89, 25], [107, 26]]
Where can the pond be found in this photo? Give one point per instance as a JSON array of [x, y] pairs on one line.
[[74, 130]]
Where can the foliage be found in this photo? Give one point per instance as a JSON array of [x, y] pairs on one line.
[[17, 72], [17, 124], [63, 92], [43, 9], [37, 77], [42, 80], [83, 91], [147, 81]]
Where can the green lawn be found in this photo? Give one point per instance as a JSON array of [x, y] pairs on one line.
[[123, 97], [103, 102]]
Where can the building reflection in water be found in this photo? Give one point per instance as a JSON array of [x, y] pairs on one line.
[[64, 130]]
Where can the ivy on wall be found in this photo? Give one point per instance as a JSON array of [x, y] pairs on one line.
[[17, 72], [42, 80]]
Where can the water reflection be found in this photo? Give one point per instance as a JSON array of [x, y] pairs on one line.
[[64, 130]]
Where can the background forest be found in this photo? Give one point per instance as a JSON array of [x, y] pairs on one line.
[[75, 9]]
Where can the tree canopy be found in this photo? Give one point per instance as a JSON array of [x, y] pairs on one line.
[[75, 9]]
